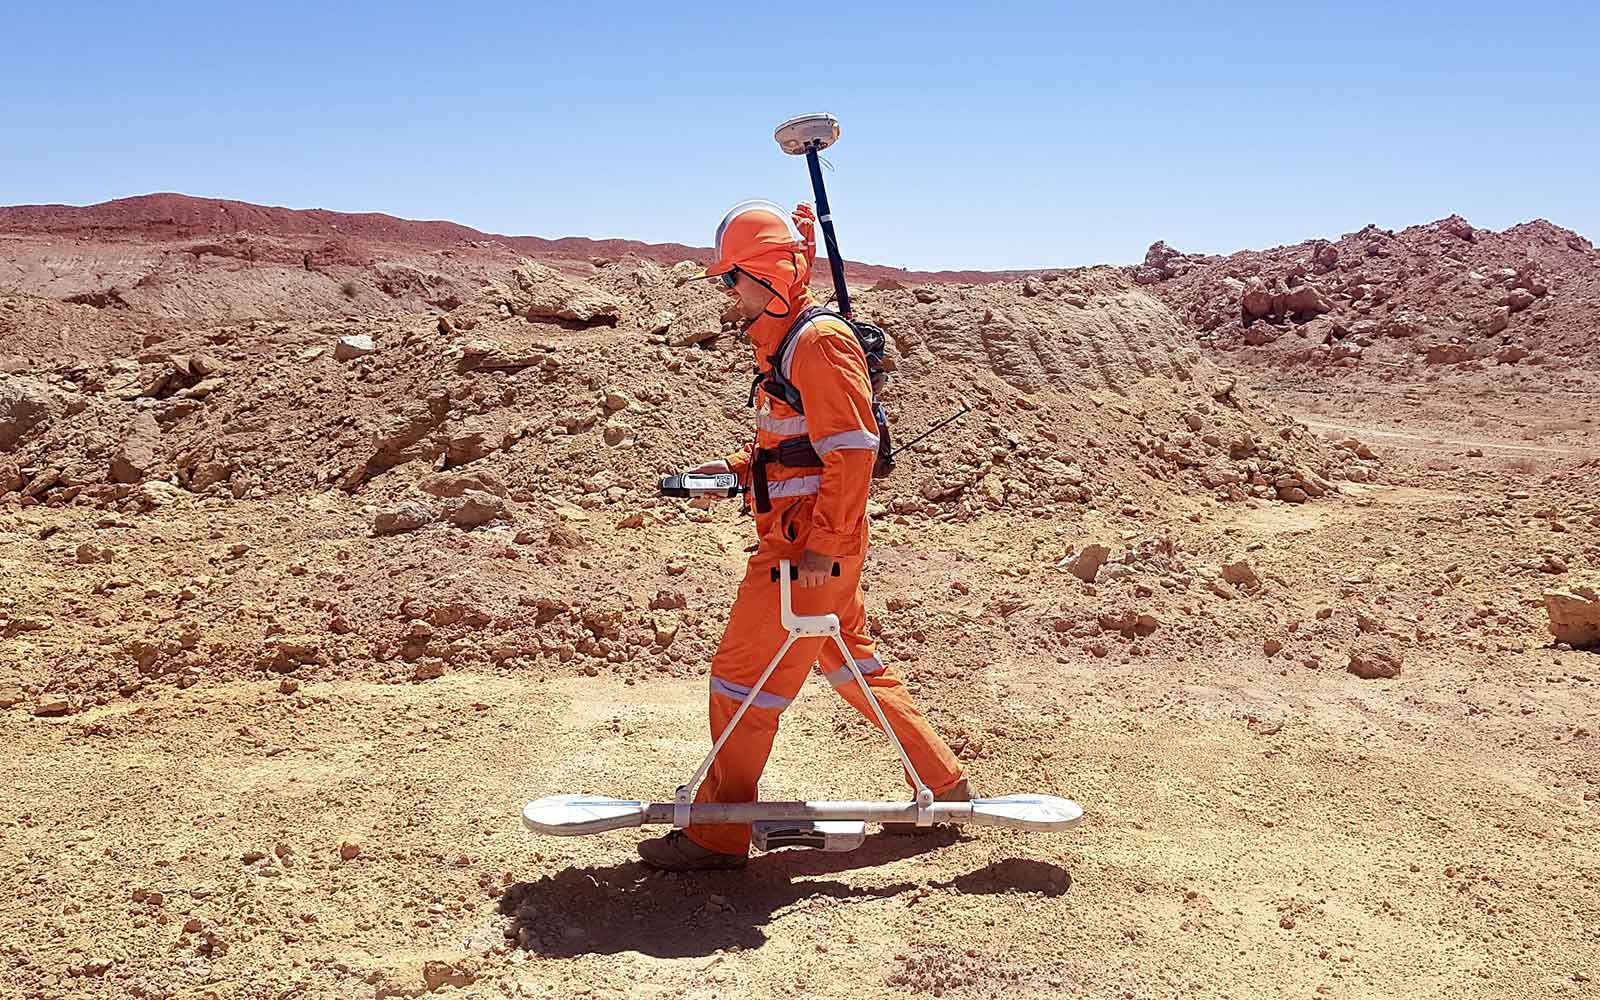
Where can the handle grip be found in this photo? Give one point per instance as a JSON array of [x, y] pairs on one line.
[[794, 572]]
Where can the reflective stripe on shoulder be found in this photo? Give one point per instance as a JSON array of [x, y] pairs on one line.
[[864, 440], [787, 359], [786, 426], [738, 692], [799, 486]]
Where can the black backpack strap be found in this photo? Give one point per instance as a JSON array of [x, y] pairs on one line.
[[776, 379]]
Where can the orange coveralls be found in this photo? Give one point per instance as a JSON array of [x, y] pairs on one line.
[[823, 510]]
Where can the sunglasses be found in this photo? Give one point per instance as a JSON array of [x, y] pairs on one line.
[[729, 278]]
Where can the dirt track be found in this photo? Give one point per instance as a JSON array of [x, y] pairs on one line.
[[220, 813]]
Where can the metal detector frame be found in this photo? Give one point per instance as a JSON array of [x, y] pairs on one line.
[[571, 815]]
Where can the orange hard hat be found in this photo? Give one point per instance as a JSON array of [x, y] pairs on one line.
[[757, 235]]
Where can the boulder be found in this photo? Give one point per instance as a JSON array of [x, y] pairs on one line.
[[1256, 300], [11, 477], [685, 271], [44, 479], [474, 508], [1511, 354], [1374, 660], [1518, 299], [468, 446], [1361, 449], [155, 493], [1324, 330], [198, 365], [351, 348], [1458, 227], [1240, 573], [209, 474], [203, 388], [51, 705], [1324, 256], [130, 381], [1495, 320], [1160, 263], [476, 355], [1086, 564], [1306, 301], [1129, 622], [25, 403], [540, 292], [138, 455], [1530, 278], [1448, 354], [1574, 610], [455, 484], [401, 519], [1403, 325], [286, 654]]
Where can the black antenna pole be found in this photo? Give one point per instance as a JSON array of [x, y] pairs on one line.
[[825, 216]]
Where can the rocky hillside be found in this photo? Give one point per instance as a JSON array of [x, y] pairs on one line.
[[135, 250], [1445, 293], [541, 411]]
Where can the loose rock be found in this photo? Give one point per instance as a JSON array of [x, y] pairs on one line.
[[1085, 565], [456, 482], [1240, 573], [401, 519], [351, 348], [1374, 661], [474, 508], [1574, 611]]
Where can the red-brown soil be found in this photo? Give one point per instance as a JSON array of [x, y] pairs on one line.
[[321, 552]]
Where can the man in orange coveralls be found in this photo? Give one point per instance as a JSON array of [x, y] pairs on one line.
[[814, 515]]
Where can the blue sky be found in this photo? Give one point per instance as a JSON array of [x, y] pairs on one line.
[[1006, 135]]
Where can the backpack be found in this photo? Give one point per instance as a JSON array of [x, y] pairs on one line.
[[873, 344]]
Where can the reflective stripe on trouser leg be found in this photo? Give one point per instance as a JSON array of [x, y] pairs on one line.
[[738, 692], [752, 638], [885, 725], [867, 665], [719, 738], [935, 762]]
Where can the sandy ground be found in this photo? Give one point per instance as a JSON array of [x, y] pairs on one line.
[[1252, 831]]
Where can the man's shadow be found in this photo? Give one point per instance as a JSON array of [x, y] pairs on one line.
[[631, 907]]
